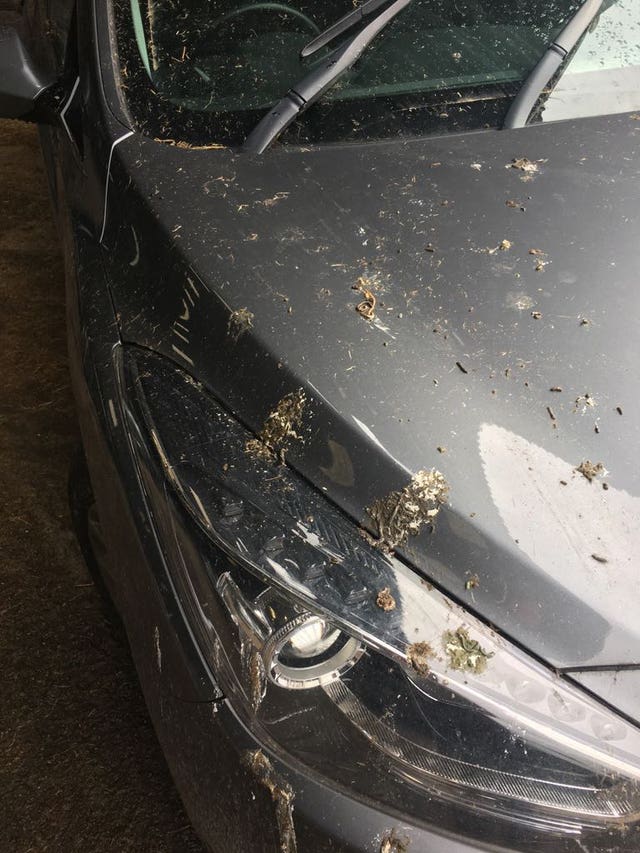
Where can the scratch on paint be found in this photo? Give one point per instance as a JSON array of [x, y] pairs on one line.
[[180, 335], [382, 328], [181, 354], [193, 287], [168, 467], [112, 412], [136, 258], [186, 315], [156, 643], [203, 511]]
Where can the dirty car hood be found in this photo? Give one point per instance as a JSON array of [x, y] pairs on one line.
[[471, 334]]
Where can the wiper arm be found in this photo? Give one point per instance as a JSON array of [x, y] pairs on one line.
[[342, 25], [555, 55], [315, 84]]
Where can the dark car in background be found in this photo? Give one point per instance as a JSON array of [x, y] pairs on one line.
[[353, 318]]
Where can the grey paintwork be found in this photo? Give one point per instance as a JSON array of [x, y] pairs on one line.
[[287, 236]]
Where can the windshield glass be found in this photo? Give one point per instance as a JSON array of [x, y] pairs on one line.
[[206, 71], [603, 75]]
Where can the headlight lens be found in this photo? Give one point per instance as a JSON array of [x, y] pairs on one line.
[[285, 612], [309, 652]]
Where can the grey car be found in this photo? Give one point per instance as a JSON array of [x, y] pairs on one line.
[[353, 328]]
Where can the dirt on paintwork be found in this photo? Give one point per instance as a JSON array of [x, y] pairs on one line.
[[279, 428], [80, 768], [464, 653], [281, 794], [404, 513]]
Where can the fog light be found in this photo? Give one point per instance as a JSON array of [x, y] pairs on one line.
[[309, 652]]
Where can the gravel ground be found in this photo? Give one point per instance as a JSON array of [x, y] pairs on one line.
[[80, 768]]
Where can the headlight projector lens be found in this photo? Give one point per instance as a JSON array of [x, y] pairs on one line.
[[309, 652]]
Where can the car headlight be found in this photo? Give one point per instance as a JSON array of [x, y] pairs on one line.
[[437, 706], [309, 652]]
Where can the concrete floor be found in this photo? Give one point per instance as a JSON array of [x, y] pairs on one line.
[[80, 768]]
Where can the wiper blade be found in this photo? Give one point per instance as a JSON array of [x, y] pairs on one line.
[[305, 93], [555, 55], [342, 25]]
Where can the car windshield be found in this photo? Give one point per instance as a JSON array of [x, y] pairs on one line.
[[205, 71]]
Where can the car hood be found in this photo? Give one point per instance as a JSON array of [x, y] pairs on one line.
[[503, 351]]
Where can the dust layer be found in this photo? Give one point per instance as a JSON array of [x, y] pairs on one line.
[[404, 513], [279, 428], [281, 794]]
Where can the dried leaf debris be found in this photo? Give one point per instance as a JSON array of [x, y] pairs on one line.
[[279, 428], [404, 513], [240, 321], [464, 653], [523, 164], [281, 794], [392, 843], [503, 246], [591, 470], [187, 146], [367, 307], [255, 675], [385, 600], [418, 656]]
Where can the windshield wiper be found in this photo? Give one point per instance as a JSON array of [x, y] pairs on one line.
[[555, 55], [342, 25], [305, 93]]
